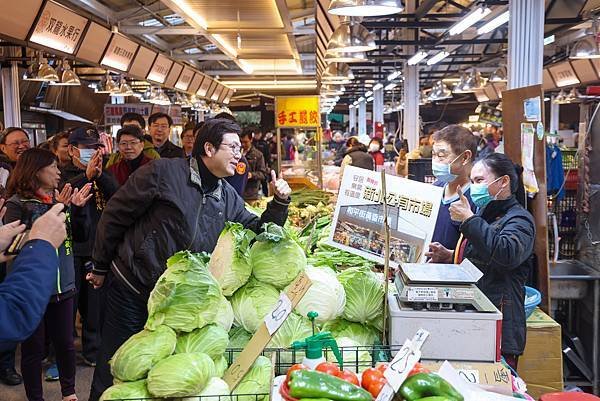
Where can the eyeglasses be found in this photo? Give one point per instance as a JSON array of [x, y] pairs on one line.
[[161, 126], [128, 144], [19, 143], [235, 149]]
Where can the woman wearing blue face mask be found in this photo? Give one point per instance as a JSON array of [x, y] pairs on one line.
[[499, 240]]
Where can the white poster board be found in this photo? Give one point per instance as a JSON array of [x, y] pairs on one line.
[[358, 218]]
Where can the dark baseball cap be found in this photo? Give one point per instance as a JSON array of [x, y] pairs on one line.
[[84, 136]]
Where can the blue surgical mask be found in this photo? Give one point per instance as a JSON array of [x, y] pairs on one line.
[[442, 171], [480, 193], [85, 155]]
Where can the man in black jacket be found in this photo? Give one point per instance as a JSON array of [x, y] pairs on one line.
[[159, 125], [257, 170], [82, 170], [167, 206]]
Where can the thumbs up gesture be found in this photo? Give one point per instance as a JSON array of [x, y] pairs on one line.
[[460, 210], [280, 187]]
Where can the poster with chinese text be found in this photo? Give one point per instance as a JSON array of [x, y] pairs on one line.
[[357, 225], [297, 111]]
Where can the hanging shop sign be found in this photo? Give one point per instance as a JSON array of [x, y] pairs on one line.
[[160, 69], [185, 78], [297, 111], [204, 87], [217, 93], [563, 74], [120, 53], [58, 28], [490, 115], [228, 96], [114, 112], [195, 84], [358, 219]]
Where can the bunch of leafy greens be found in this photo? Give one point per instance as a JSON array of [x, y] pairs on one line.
[[186, 296]]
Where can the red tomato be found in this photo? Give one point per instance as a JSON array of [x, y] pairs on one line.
[[418, 369], [369, 376], [376, 386], [329, 368], [382, 367], [297, 366], [348, 376]]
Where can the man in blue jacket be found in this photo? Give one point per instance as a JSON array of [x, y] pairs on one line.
[[25, 292]]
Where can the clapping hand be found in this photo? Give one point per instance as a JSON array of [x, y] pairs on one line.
[[94, 167]]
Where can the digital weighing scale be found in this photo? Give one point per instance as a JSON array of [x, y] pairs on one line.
[[436, 286]]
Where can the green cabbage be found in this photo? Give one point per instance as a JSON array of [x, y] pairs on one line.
[[238, 337], [356, 358], [126, 391], [180, 375], [276, 258], [256, 381], [359, 333], [229, 262], [295, 328], [211, 340], [186, 295], [252, 303], [215, 387], [140, 352], [326, 296], [221, 366], [364, 295], [224, 316]]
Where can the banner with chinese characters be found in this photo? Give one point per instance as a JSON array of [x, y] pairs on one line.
[[114, 112], [358, 219], [58, 28], [297, 111]]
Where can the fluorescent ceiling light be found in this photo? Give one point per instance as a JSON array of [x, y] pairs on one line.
[[394, 75], [549, 40], [361, 99], [365, 8], [391, 86], [417, 58], [494, 23], [355, 103], [438, 57], [377, 86], [368, 93], [370, 99], [469, 20]]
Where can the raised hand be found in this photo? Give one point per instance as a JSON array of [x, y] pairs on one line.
[[81, 197], [280, 187], [460, 210]]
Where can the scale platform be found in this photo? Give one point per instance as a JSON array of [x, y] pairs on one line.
[[436, 286]]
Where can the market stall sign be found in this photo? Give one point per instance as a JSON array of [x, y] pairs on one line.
[[114, 112], [358, 218], [297, 111], [204, 87], [58, 28], [563, 74], [160, 69], [185, 78], [490, 115], [119, 53]]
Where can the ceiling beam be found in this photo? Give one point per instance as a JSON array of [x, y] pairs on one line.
[[158, 30], [429, 43], [424, 8]]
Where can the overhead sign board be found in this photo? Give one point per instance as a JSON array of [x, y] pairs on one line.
[[185, 78], [58, 28], [196, 81], [160, 69], [228, 96], [204, 86], [563, 74], [120, 53], [297, 111]]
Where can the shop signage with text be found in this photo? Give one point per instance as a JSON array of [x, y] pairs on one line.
[[120, 53], [58, 28], [160, 69], [113, 112], [297, 111]]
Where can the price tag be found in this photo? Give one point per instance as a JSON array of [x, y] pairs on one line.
[[277, 316], [470, 375], [419, 339], [401, 365]]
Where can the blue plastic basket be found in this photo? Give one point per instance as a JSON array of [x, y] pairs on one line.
[[532, 299]]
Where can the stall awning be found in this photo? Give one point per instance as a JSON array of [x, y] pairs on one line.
[[61, 114]]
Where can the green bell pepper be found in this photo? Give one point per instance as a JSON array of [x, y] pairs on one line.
[[424, 385], [313, 384]]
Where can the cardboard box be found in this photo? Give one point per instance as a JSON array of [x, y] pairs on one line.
[[541, 365], [491, 376]]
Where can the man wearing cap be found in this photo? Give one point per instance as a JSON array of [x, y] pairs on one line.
[[130, 140], [86, 167]]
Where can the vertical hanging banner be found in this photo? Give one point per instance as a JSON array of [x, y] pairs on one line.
[[358, 218], [297, 111]]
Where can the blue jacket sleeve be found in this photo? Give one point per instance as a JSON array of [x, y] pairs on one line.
[[25, 292]]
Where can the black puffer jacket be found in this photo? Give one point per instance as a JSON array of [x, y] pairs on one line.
[[360, 157], [501, 238], [161, 210]]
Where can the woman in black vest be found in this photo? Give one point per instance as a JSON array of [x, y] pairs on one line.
[[356, 155]]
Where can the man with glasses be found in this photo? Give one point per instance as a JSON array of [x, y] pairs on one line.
[[137, 120], [167, 206], [160, 130], [130, 141]]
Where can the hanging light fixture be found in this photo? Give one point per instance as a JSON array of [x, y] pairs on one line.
[[159, 97], [423, 98], [573, 96], [499, 75], [469, 82], [107, 85], [587, 47], [68, 76], [46, 72], [387, 109], [337, 72], [351, 37], [439, 92], [30, 73], [147, 95], [461, 86], [124, 90], [365, 8], [332, 89], [345, 57]]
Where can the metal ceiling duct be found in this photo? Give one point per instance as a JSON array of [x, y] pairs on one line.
[[365, 8], [351, 37], [345, 57], [439, 92]]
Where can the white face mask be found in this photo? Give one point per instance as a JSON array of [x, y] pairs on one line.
[[374, 147]]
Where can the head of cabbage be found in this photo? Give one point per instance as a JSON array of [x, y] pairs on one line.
[[256, 381], [294, 328], [238, 337], [126, 391], [215, 387], [276, 257], [361, 334], [252, 303], [229, 262], [186, 296], [211, 340], [364, 294], [140, 352], [326, 296], [224, 316], [180, 375]]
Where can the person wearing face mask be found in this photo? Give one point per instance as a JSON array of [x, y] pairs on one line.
[[86, 167], [375, 151], [425, 147], [499, 240], [452, 159], [168, 205]]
